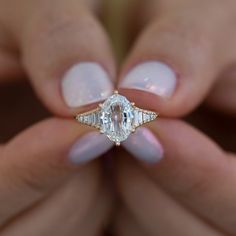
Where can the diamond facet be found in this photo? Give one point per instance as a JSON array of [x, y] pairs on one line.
[[117, 118]]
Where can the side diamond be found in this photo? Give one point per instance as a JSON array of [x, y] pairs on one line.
[[91, 118], [146, 117], [142, 116], [135, 120]]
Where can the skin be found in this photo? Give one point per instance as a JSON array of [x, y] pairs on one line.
[[42, 193], [190, 192]]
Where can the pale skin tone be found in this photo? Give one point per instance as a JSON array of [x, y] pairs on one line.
[[191, 191]]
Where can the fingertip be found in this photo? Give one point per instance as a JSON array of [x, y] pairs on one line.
[[173, 71], [89, 147], [84, 84], [70, 64], [144, 146], [56, 143], [153, 77]]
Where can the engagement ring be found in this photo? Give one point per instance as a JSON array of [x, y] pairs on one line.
[[117, 118]]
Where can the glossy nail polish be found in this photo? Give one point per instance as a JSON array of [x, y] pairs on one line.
[[145, 146], [89, 147], [151, 76], [85, 83]]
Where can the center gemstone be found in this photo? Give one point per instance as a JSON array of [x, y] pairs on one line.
[[116, 118]]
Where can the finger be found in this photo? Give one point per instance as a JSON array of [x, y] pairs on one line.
[[177, 58], [40, 159], [66, 212], [222, 97], [103, 209], [194, 169], [69, 63], [125, 224], [155, 211]]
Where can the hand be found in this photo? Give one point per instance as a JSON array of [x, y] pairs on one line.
[[183, 57], [46, 187]]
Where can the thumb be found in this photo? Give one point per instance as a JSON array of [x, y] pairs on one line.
[[192, 168], [40, 159]]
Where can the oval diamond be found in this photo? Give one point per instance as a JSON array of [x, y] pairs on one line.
[[117, 118]]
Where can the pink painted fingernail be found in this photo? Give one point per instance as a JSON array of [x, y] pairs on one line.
[[151, 76], [144, 145], [89, 147]]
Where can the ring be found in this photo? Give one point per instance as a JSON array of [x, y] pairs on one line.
[[117, 118]]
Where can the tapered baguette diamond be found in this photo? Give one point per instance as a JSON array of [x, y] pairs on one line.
[[117, 118], [91, 118]]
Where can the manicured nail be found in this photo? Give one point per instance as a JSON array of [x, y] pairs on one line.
[[144, 145], [89, 147], [86, 83], [153, 77]]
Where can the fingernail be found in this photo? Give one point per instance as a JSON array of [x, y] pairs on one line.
[[153, 77], [89, 147], [86, 83], [144, 145]]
